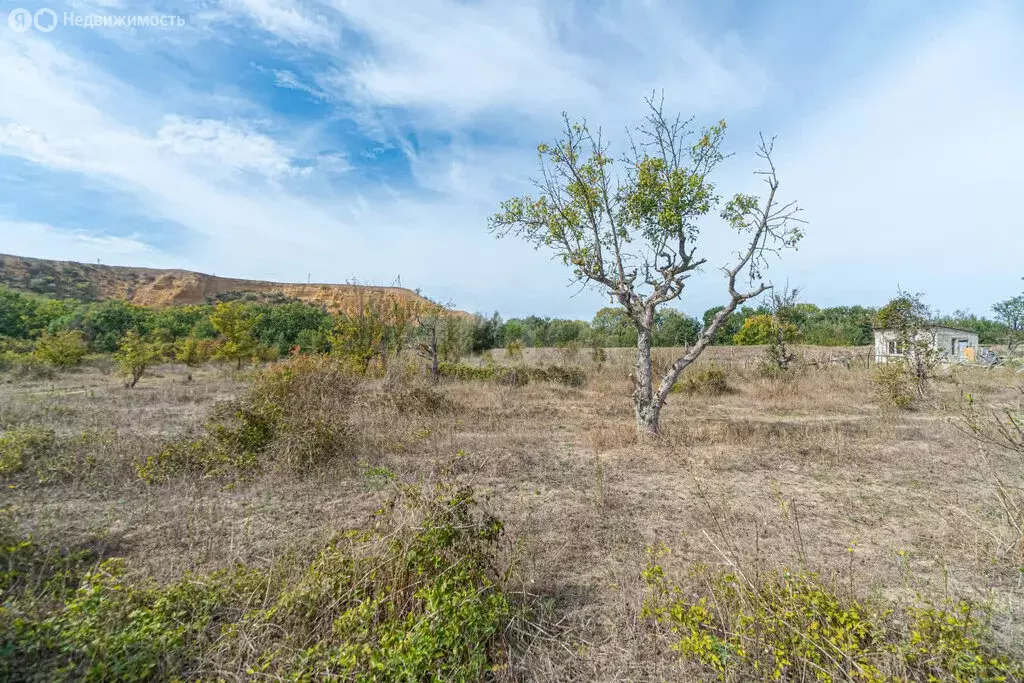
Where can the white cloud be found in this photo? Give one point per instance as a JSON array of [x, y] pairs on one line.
[[225, 144], [286, 79], [55, 125], [460, 59], [453, 61], [288, 20]]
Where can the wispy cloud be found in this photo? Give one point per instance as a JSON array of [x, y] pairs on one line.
[[224, 145], [288, 20]]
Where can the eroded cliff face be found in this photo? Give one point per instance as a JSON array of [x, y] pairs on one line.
[[157, 288]]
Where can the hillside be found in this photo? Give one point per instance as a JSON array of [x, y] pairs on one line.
[[157, 288]]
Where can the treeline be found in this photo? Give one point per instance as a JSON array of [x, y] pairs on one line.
[[833, 326], [282, 325]]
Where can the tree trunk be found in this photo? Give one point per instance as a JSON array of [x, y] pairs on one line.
[[646, 404]]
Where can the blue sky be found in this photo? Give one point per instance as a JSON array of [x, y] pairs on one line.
[[351, 140]]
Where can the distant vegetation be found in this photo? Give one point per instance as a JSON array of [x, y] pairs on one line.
[[280, 324]]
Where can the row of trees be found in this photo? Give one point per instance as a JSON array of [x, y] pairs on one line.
[[291, 324]]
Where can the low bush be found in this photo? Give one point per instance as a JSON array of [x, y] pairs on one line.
[[794, 626], [32, 367], [31, 571], [516, 375], [514, 350], [33, 455], [195, 352], [293, 417], [13, 352], [412, 598], [418, 399], [893, 384], [62, 350], [570, 376], [569, 351], [23, 448], [709, 380]]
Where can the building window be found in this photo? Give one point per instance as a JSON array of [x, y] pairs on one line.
[[892, 348]]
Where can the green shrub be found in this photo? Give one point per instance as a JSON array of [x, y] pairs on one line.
[[893, 384], [32, 367], [13, 352], [763, 329], [570, 351], [570, 376], [31, 571], [793, 626], [195, 352], [62, 350], [514, 350], [710, 380], [413, 598], [21, 447], [293, 417]]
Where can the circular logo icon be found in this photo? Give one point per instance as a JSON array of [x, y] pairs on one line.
[[46, 20], [20, 20]]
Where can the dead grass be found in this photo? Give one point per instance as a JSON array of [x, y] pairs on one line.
[[581, 498]]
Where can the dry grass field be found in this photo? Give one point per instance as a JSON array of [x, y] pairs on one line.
[[812, 472]]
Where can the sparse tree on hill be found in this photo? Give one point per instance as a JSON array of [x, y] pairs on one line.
[[635, 233]]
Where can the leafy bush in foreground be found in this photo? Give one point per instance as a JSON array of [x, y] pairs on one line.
[[794, 626], [413, 598]]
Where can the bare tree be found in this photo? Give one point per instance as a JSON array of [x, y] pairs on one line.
[[635, 233], [429, 319]]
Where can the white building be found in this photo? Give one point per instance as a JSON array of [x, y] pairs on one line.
[[953, 344]]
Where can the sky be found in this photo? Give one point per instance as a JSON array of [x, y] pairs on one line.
[[369, 141]]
